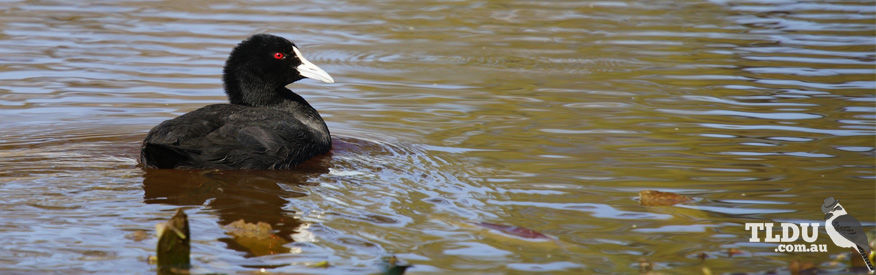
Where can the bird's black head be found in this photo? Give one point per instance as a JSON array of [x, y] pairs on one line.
[[260, 66]]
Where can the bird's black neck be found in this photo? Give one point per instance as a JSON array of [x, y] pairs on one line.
[[245, 88]]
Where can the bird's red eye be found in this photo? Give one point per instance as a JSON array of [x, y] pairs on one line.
[[279, 56]]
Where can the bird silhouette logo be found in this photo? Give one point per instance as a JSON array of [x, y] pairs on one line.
[[844, 230]]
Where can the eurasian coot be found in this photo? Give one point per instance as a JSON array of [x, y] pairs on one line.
[[266, 126]]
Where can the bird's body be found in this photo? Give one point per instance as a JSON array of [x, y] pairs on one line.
[[266, 126], [235, 137]]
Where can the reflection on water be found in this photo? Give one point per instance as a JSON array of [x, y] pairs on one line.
[[246, 196], [547, 115]]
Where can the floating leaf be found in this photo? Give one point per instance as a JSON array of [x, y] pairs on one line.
[[507, 234], [657, 198], [240, 228], [137, 235], [258, 238], [733, 251], [517, 231], [645, 265]]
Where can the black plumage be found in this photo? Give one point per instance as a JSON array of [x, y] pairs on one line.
[[266, 126]]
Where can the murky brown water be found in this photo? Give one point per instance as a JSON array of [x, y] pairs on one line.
[[549, 115]]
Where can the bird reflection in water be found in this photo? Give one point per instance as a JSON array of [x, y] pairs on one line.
[[251, 196]]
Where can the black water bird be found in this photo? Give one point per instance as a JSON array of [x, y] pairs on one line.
[[266, 126]]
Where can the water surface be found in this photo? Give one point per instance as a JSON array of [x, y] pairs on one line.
[[547, 115]]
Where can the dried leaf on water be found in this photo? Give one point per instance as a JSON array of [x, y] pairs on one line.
[[173, 243], [645, 265], [516, 231], [733, 251], [241, 228], [137, 235], [657, 198], [323, 264], [508, 234], [258, 238]]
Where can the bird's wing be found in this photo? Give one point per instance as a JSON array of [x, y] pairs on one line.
[[267, 144], [192, 125], [162, 146], [850, 228]]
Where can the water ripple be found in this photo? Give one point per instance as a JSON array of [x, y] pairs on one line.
[[834, 132]]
